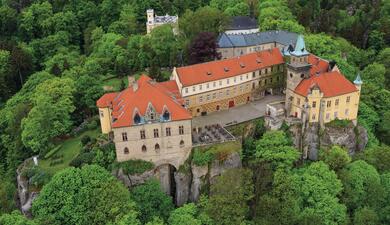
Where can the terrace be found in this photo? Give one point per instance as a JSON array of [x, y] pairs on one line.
[[210, 134]]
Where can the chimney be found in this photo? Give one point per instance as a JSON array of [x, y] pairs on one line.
[[132, 83]]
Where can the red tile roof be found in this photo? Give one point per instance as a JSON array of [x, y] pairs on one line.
[[330, 83], [216, 70], [158, 94], [106, 100], [318, 65]]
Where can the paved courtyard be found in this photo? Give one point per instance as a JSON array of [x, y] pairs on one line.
[[237, 114]]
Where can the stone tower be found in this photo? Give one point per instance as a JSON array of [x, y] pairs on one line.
[[298, 68], [150, 20]]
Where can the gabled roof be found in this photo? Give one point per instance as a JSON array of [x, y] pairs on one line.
[[242, 23], [318, 65], [216, 70], [131, 100], [245, 40], [330, 84]]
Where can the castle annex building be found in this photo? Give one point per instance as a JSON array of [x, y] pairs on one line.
[[153, 121], [154, 21]]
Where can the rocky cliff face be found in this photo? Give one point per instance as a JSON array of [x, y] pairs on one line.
[[312, 138], [188, 184], [25, 196]]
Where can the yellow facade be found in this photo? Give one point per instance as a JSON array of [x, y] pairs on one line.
[[325, 109], [105, 120]]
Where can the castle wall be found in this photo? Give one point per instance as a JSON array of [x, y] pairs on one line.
[[170, 152]]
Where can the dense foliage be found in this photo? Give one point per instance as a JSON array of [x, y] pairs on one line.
[[58, 57]]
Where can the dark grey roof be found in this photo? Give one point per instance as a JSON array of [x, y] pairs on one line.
[[242, 22], [244, 40]]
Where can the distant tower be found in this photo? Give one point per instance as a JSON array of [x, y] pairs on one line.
[[298, 68], [150, 21]]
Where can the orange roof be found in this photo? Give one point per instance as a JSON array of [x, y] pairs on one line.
[[159, 95], [318, 65], [106, 100], [216, 70], [330, 83]]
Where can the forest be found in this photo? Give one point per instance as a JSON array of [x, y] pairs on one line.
[[58, 56]]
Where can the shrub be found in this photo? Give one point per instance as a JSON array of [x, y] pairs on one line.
[[202, 157], [81, 159], [339, 123], [136, 166], [52, 152], [85, 140], [92, 125], [39, 179], [56, 162]]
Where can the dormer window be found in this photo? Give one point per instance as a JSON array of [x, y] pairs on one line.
[[137, 118], [166, 116]]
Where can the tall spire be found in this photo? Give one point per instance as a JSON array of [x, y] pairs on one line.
[[300, 47], [358, 80]]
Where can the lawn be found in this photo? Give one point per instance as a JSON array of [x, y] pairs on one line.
[[70, 149], [206, 154]]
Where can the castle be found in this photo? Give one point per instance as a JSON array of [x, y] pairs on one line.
[[154, 21], [153, 121]]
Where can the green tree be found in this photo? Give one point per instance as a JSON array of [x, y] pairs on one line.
[[89, 195], [152, 201], [384, 128], [50, 115], [7, 195], [129, 218], [5, 91], [378, 156], [362, 185], [375, 74], [15, 218], [229, 197], [274, 148], [185, 215], [127, 23], [336, 157], [34, 20], [365, 216]]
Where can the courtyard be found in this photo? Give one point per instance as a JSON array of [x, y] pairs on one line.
[[237, 114]]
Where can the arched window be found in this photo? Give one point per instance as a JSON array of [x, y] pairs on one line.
[[137, 118], [166, 115], [157, 147], [143, 148], [291, 75], [302, 75], [181, 143], [126, 151]]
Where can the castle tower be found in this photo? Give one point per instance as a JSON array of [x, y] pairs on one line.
[[150, 20], [298, 68]]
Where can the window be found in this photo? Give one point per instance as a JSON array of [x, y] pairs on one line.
[[168, 131], [298, 101], [152, 116], [101, 113], [313, 117], [335, 115], [207, 85], [265, 81], [348, 99], [187, 102], [327, 116], [181, 144], [126, 151], [214, 95], [200, 98], [328, 104], [235, 79], [193, 88], [220, 82], [181, 130], [157, 147], [143, 148], [336, 103], [155, 133], [266, 70], [302, 75], [346, 112], [253, 75], [214, 84], [186, 90], [270, 80], [313, 104], [208, 97], [137, 118], [291, 75], [166, 115], [227, 92], [142, 134], [247, 76], [241, 77], [227, 81], [124, 136], [200, 87]]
